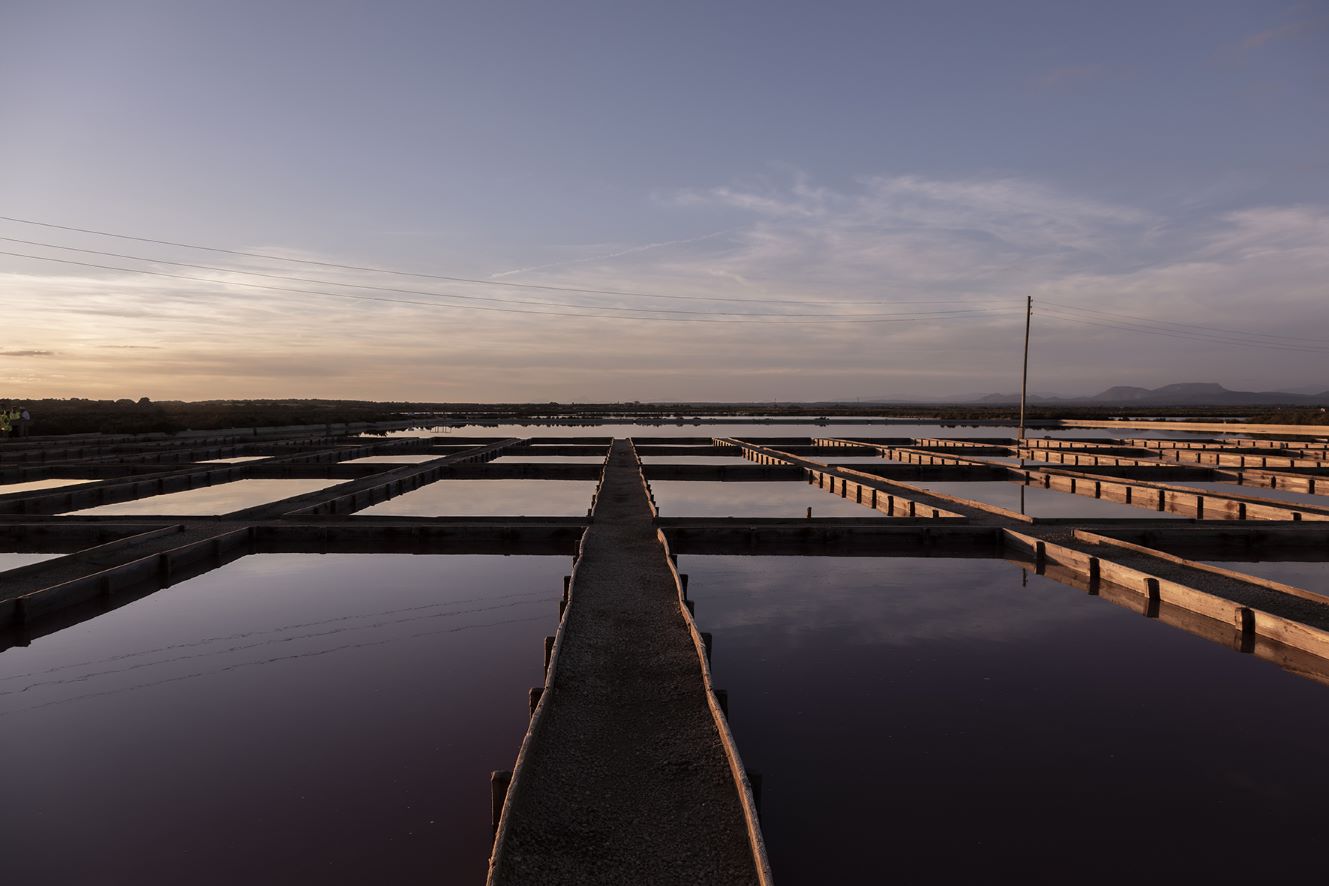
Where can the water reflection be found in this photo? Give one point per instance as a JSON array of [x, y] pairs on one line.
[[207, 501], [38, 485], [1302, 498], [392, 459], [491, 498], [774, 429], [13, 560], [1309, 576], [1039, 502], [774, 498], [694, 460], [940, 721], [552, 459], [285, 719]]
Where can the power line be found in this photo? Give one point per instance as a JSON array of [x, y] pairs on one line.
[[1176, 334], [1185, 325], [428, 276], [915, 316], [398, 291], [1181, 334]]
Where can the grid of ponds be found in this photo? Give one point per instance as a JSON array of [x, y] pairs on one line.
[[333, 717]]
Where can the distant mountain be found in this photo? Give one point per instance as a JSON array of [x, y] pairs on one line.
[[1185, 394], [1124, 394]]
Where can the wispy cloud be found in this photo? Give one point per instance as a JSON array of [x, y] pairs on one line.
[[631, 250], [1290, 31], [885, 244], [26, 353]]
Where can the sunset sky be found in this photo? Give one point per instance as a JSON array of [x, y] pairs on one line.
[[766, 200]]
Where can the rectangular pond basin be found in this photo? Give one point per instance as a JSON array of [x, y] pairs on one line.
[[552, 459], [206, 501], [490, 498], [752, 498], [694, 460], [1307, 575], [957, 721], [287, 718], [15, 559], [391, 459], [1040, 502]]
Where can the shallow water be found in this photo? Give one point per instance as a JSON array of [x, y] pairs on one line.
[[553, 459], [13, 560], [490, 498], [694, 460], [755, 498], [38, 485], [758, 429], [1309, 576], [857, 460], [1040, 502], [287, 718], [940, 721], [222, 498], [1241, 489], [392, 459], [853, 430]]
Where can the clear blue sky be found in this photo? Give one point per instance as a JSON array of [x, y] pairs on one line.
[[1167, 160]]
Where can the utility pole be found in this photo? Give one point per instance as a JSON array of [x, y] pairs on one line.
[[1024, 383]]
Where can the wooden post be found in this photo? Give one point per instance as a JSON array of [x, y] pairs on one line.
[[498, 794]]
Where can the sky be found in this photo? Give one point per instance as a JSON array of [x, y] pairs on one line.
[[743, 201]]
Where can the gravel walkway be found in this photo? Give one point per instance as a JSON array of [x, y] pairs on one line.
[[624, 778]]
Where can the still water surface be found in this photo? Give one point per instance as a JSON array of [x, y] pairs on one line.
[[490, 498], [38, 485], [392, 459], [553, 459], [1309, 576], [1240, 489], [13, 560], [234, 460], [1040, 502], [207, 501], [752, 498], [288, 718], [923, 720]]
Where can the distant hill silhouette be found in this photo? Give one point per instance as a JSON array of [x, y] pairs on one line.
[[1185, 394]]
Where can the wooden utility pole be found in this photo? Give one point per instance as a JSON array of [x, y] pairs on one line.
[[1024, 382]]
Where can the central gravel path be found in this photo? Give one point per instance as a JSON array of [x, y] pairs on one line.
[[624, 776]]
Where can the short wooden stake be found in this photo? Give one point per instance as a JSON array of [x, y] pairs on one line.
[[499, 782]]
